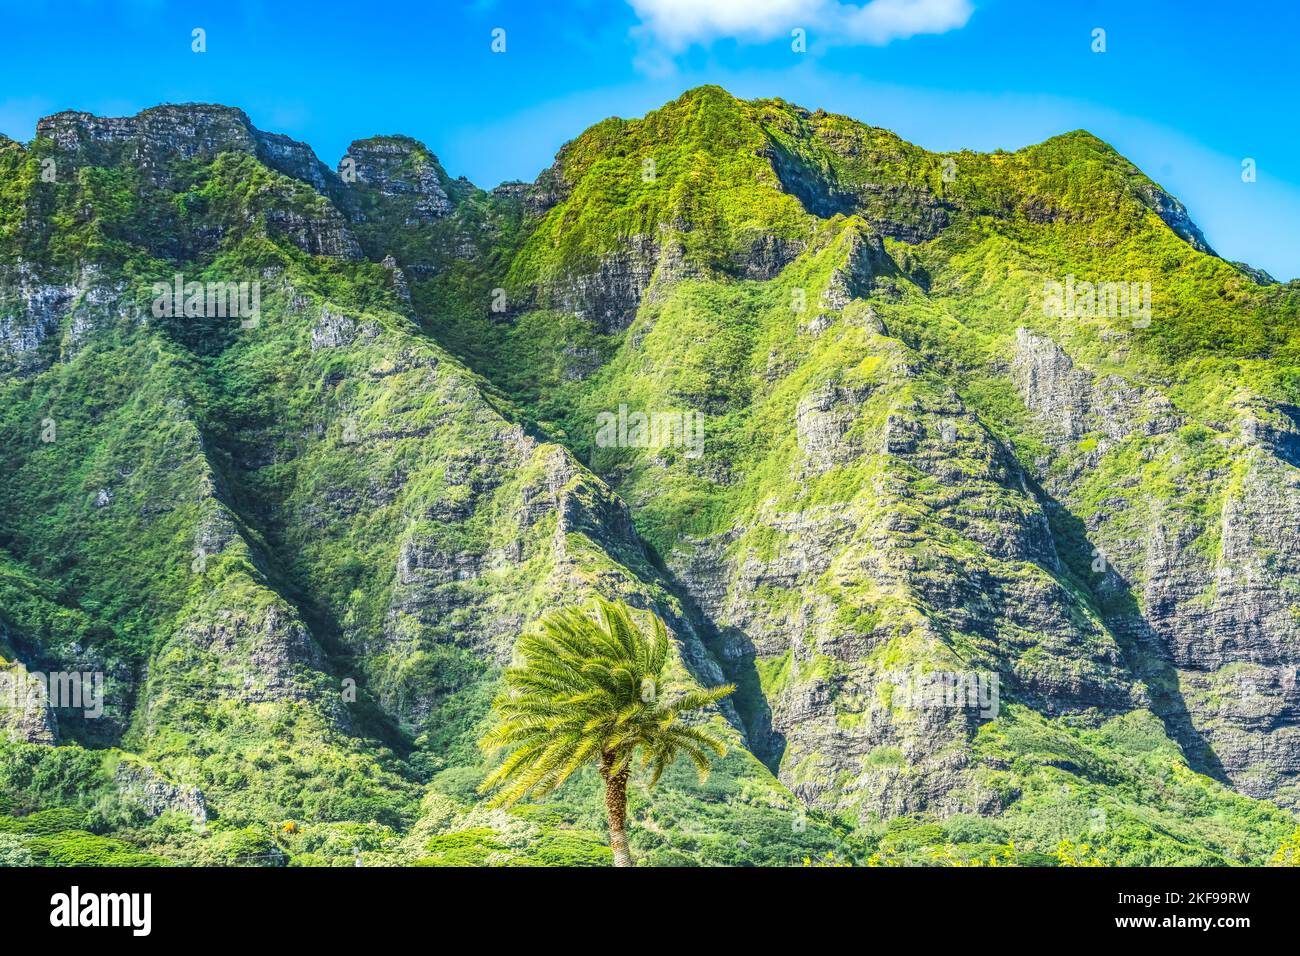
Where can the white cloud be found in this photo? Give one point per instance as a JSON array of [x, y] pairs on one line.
[[883, 20], [679, 23]]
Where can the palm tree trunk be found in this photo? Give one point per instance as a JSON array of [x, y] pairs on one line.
[[616, 808]]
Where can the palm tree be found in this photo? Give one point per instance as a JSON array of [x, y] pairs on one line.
[[590, 690]]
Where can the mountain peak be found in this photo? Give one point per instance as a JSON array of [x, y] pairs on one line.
[[400, 167], [782, 378], [184, 131], [706, 92], [1082, 146], [189, 123]]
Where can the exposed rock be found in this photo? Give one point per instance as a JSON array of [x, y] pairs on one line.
[[897, 210], [268, 651], [399, 279], [1175, 216], [25, 714], [610, 294], [831, 585], [400, 168], [332, 330], [1210, 615], [33, 307], [1068, 399], [155, 137], [864, 258], [322, 233], [142, 785], [822, 421]]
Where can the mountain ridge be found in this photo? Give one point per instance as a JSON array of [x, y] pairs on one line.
[[69, 123], [910, 467]]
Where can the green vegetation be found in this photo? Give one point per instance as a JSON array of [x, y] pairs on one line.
[[591, 689], [304, 554]]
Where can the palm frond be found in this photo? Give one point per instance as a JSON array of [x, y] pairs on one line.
[[578, 695]]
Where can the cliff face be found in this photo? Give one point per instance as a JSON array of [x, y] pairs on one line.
[[968, 557], [401, 171], [1212, 589]]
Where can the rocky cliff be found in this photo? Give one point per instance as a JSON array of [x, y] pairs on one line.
[[987, 567]]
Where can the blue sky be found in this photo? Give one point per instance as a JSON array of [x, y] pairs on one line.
[[1187, 90]]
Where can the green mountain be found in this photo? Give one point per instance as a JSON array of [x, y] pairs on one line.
[[979, 474]]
